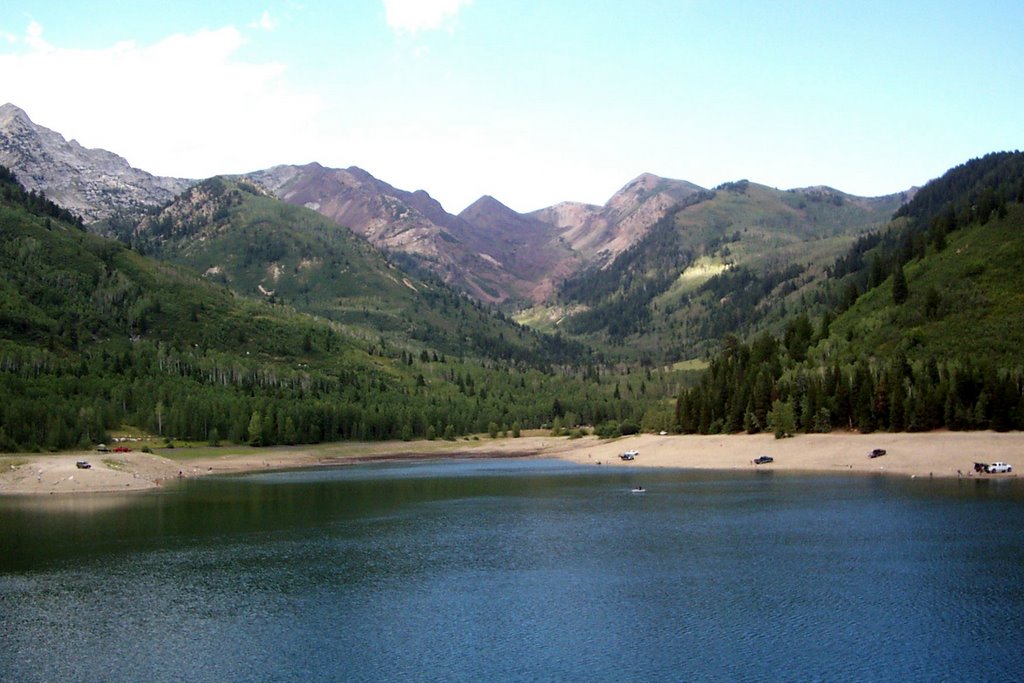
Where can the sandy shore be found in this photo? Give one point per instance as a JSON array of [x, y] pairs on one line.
[[939, 454]]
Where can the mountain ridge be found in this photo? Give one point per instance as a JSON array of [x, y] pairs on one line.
[[93, 183], [494, 254]]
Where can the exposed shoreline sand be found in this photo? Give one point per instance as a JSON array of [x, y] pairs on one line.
[[938, 454]]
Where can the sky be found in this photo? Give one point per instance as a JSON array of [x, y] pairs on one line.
[[531, 102]]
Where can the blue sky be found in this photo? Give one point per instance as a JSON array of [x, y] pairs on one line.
[[532, 102]]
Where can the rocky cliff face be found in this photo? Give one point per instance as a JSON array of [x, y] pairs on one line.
[[388, 217], [600, 233], [93, 183], [395, 220]]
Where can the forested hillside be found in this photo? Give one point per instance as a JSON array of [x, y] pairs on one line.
[[725, 261], [94, 336], [236, 234], [925, 328]]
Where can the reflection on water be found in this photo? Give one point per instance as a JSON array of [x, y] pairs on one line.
[[518, 570]]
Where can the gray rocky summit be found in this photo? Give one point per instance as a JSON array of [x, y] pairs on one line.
[[93, 183]]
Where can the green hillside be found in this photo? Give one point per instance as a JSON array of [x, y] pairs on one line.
[[728, 261], [94, 336], [259, 246], [964, 301], [926, 328]]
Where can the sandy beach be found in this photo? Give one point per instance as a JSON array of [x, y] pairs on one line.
[[936, 454]]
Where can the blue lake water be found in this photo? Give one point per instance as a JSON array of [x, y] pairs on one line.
[[517, 570]]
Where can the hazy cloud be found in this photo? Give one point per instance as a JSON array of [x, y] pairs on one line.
[[265, 22], [186, 105], [34, 36], [412, 16]]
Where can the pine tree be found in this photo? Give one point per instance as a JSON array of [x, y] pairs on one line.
[[899, 286]]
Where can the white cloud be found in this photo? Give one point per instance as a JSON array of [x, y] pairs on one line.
[[34, 36], [412, 16], [265, 22], [187, 105]]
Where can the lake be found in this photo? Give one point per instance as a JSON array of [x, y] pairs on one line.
[[517, 570]]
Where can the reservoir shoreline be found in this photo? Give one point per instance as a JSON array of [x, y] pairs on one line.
[[932, 454]]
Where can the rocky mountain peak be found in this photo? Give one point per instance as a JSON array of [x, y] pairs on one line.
[[11, 115], [602, 232], [646, 181], [93, 183], [485, 205]]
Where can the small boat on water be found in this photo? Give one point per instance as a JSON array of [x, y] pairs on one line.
[[639, 489]]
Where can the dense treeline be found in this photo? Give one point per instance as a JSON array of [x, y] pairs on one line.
[[53, 403], [760, 387], [973, 189]]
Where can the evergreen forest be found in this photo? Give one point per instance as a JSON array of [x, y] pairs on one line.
[[922, 326]]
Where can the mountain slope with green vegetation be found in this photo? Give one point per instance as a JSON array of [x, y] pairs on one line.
[[95, 336], [966, 300], [727, 261], [925, 331], [238, 235]]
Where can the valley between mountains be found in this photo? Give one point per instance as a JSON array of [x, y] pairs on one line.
[[302, 303]]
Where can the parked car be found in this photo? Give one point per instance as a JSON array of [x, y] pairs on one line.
[[876, 453], [83, 464], [122, 449], [629, 455], [998, 467], [763, 459]]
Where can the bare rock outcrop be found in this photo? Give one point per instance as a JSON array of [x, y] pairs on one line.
[[93, 183]]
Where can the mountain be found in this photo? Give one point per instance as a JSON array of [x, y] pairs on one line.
[[235, 233], [397, 221], [95, 337], [489, 251], [955, 250], [519, 244], [603, 232], [493, 254], [93, 183], [917, 326], [965, 301], [716, 262]]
